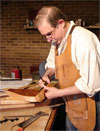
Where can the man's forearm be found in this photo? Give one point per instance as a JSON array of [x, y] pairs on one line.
[[70, 91], [49, 72]]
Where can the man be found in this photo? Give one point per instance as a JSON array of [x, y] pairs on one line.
[[75, 59]]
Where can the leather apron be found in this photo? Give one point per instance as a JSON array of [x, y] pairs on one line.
[[80, 108]]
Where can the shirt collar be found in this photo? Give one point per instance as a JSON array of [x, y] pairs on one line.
[[63, 42]]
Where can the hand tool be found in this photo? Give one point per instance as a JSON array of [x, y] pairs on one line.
[[26, 123]]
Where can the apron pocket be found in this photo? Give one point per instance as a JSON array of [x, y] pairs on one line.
[[77, 106]]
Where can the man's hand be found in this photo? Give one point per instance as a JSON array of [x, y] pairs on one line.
[[44, 79], [52, 92]]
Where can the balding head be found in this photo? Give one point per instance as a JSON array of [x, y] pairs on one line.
[[51, 14]]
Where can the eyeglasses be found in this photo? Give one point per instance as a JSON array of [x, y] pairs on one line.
[[49, 33]]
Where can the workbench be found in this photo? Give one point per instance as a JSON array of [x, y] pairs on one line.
[[19, 113], [41, 124]]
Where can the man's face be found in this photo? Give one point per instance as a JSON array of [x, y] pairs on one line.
[[50, 33]]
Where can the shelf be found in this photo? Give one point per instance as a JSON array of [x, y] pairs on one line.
[[87, 27], [30, 28], [93, 27]]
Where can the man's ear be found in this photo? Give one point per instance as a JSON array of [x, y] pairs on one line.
[[61, 22]]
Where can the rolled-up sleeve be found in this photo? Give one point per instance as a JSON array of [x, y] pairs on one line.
[[88, 62], [89, 82], [50, 61]]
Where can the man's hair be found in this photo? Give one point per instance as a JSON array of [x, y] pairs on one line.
[[51, 13]]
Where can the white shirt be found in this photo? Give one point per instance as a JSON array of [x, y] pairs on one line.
[[85, 49]]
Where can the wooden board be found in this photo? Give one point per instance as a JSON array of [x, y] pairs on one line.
[[26, 95], [6, 107], [30, 95], [11, 103]]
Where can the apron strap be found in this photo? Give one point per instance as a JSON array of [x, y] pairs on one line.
[[69, 33], [72, 29]]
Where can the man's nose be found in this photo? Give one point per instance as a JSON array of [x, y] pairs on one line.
[[49, 39]]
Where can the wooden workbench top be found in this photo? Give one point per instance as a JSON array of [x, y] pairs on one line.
[[41, 124]]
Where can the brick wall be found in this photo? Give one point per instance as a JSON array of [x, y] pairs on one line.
[[26, 47]]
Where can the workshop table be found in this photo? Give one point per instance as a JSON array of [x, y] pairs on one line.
[[41, 124], [19, 113]]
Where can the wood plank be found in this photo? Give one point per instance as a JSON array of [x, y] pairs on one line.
[[28, 94], [51, 120], [15, 106], [11, 103]]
